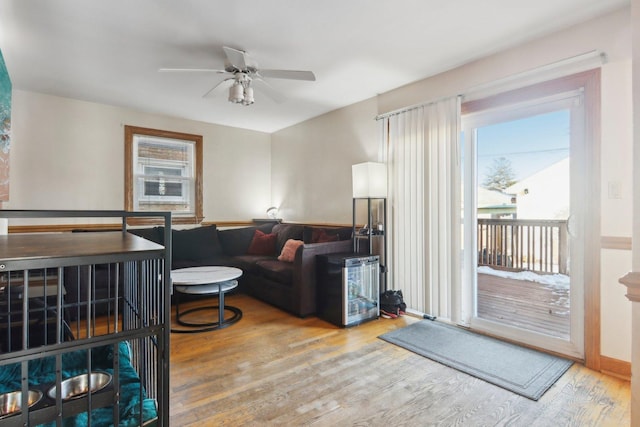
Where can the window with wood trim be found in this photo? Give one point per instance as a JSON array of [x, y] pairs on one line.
[[163, 172]]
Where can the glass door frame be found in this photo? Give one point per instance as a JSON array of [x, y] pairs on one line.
[[585, 341]]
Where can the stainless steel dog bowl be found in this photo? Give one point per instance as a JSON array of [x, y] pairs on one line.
[[80, 385], [11, 403]]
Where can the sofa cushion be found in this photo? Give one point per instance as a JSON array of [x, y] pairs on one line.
[[248, 263], [321, 236], [222, 260], [236, 241], [286, 232], [262, 244], [278, 271], [289, 250], [326, 234], [199, 244], [155, 234]]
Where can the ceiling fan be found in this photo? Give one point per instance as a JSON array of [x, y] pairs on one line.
[[244, 72]]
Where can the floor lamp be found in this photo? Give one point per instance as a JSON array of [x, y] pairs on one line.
[[369, 181]]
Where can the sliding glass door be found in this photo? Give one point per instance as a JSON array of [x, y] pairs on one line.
[[523, 204]]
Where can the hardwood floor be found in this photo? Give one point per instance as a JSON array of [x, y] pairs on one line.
[[272, 368]]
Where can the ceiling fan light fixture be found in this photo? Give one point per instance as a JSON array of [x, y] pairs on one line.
[[236, 93], [248, 95], [240, 68]]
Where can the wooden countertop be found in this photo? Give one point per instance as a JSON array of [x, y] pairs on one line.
[[18, 251]]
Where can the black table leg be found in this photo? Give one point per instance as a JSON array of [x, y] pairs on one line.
[[207, 326], [220, 306]]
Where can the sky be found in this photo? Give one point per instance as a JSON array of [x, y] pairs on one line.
[[531, 144]]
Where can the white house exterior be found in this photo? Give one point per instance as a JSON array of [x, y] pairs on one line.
[[545, 194]]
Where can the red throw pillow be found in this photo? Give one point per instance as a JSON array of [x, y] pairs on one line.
[[262, 244], [321, 236], [289, 250]]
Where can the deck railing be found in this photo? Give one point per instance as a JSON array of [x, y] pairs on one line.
[[523, 244]]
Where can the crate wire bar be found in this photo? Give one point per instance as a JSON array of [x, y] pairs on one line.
[[57, 325]]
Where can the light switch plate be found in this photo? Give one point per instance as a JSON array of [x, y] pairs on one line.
[[615, 190]]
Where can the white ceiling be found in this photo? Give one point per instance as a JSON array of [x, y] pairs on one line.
[[109, 51]]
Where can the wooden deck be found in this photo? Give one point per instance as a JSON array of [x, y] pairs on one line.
[[524, 304]]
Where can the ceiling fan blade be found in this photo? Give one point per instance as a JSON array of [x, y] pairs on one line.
[[197, 70], [216, 86], [288, 74], [235, 57], [268, 90]]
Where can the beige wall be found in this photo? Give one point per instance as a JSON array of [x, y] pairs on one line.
[[311, 163], [69, 154], [610, 34], [325, 147], [616, 210]]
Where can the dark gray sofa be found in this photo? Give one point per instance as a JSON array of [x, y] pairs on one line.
[[290, 286]]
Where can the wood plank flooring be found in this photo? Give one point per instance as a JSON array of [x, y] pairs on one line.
[[272, 368]]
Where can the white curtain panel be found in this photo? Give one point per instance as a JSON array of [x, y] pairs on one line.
[[423, 160]]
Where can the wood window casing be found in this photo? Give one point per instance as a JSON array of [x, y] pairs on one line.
[[196, 212]]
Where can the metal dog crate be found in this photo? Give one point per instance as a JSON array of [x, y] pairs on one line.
[[101, 358]]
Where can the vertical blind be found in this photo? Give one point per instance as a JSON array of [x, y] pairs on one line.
[[422, 153]]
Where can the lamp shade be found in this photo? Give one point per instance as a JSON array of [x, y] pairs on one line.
[[248, 96], [236, 93], [369, 180]]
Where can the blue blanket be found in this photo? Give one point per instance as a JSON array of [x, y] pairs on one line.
[[133, 400]]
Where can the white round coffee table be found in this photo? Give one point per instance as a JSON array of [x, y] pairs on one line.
[[206, 280]]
